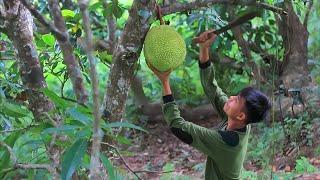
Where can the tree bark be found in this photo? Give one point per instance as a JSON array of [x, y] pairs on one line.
[[294, 70], [95, 170], [19, 24], [69, 58], [19, 28]]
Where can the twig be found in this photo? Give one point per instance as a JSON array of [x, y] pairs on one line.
[[112, 27], [34, 166], [23, 165], [158, 172], [306, 18], [12, 155], [6, 58], [95, 160], [38, 156], [182, 7], [122, 159], [19, 129], [43, 21], [54, 123]]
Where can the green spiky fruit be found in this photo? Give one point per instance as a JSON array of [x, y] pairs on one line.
[[164, 48]]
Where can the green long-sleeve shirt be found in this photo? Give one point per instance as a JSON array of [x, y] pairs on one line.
[[225, 149]]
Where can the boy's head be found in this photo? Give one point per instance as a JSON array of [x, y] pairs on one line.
[[249, 106]]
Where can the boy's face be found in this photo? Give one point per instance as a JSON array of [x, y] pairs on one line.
[[234, 108]]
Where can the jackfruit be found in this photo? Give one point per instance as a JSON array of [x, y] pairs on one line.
[[164, 48]]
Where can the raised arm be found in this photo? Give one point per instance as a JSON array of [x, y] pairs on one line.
[[210, 142], [207, 75]]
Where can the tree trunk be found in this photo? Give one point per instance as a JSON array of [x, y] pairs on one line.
[[18, 27], [19, 23], [294, 70], [125, 59]]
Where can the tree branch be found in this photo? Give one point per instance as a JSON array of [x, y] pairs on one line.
[[34, 166], [19, 129], [42, 20], [10, 150], [181, 7], [125, 58], [22, 165], [68, 55], [95, 154], [3, 15]]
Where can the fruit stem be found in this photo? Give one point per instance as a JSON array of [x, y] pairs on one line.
[[159, 14]]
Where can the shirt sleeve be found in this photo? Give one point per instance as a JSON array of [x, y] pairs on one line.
[[215, 94], [205, 140]]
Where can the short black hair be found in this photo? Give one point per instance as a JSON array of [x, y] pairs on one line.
[[257, 104]]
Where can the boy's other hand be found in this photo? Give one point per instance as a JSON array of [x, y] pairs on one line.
[[163, 76], [207, 37]]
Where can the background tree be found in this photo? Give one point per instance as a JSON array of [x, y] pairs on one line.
[[48, 53]]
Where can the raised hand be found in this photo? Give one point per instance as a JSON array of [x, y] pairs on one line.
[[163, 76]]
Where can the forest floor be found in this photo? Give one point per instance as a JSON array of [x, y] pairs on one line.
[[161, 151]]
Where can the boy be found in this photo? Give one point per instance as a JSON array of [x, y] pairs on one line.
[[225, 146]]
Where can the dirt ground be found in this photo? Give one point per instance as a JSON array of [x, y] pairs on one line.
[[152, 151]]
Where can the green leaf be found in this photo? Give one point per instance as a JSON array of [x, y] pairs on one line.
[[38, 129], [72, 158], [67, 13], [105, 57], [117, 11], [123, 140], [95, 6], [48, 39], [123, 124], [107, 164], [62, 129], [168, 167], [79, 116], [268, 38], [14, 110], [59, 102], [108, 10]]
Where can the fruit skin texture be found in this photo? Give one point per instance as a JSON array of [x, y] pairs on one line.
[[164, 48]]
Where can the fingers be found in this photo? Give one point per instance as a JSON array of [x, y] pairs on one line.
[[151, 67], [154, 70], [167, 72], [212, 37], [203, 36]]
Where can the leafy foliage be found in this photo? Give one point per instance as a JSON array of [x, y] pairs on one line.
[[29, 138], [303, 165]]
